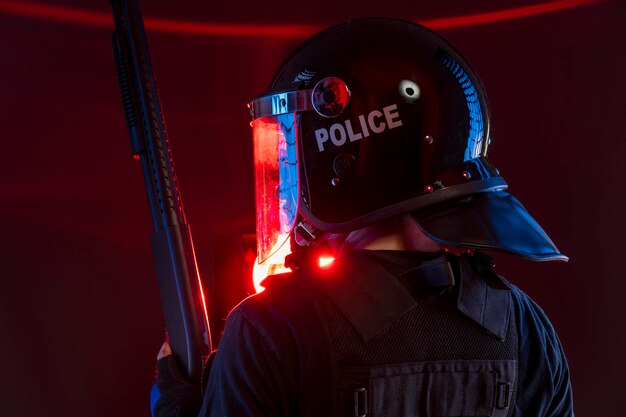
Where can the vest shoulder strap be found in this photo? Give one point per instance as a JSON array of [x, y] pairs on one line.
[[484, 296], [368, 295]]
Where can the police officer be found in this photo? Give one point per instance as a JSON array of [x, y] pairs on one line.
[[371, 147]]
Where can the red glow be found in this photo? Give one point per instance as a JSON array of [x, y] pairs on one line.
[[325, 261], [57, 13], [275, 264], [205, 310], [77, 16], [502, 15], [180, 27]]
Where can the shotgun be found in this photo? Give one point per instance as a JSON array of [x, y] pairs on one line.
[[183, 301]]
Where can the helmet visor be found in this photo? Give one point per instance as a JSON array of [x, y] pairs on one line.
[[276, 181]]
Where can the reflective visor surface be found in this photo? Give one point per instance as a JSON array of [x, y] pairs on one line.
[[276, 181]]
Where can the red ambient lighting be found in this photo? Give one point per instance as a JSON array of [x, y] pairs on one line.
[[180, 27], [503, 15]]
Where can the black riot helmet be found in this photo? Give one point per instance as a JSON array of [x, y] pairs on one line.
[[374, 118]]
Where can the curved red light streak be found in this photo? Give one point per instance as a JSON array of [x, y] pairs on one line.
[[180, 27], [503, 15]]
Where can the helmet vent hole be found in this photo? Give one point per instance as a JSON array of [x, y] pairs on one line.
[[409, 90]]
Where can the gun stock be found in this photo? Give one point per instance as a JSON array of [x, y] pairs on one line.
[[180, 286]]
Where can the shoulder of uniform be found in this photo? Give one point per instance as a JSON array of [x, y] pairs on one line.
[[531, 312], [277, 279], [282, 301]]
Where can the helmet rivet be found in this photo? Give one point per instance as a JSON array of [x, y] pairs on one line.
[[428, 189], [467, 175], [429, 139], [336, 182]]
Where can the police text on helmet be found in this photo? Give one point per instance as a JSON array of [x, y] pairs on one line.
[[338, 133]]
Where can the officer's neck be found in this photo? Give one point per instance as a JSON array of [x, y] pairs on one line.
[[398, 233]]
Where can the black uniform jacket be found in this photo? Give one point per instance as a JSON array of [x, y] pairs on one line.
[[274, 358]]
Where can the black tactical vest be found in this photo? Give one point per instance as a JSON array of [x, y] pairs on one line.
[[433, 340]]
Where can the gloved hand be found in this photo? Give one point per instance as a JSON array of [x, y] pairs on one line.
[[172, 395]]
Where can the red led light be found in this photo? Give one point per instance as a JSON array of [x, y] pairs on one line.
[[325, 261]]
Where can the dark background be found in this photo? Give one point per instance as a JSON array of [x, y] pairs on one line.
[[79, 308]]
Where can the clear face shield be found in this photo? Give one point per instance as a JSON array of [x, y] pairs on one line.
[[276, 177], [275, 127]]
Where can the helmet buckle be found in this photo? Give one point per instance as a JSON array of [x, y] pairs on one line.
[[304, 234]]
